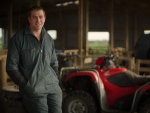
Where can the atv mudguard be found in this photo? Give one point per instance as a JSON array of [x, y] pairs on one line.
[[101, 94], [91, 74]]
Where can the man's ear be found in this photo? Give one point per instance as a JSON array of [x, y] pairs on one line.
[[29, 19]]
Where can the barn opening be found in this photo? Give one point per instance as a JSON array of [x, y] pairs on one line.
[[98, 43]]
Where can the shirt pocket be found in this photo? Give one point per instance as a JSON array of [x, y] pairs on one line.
[[47, 57], [28, 56]]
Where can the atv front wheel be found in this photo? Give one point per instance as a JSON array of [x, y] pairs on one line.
[[79, 102], [145, 108]]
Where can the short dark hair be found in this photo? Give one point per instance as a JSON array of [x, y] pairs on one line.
[[37, 8]]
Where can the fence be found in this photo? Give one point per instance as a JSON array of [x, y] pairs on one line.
[[4, 78], [142, 66]]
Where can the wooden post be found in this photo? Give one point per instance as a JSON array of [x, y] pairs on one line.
[[10, 13], [135, 29], [19, 17], [137, 66], [63, 31], [3, 75], [85, 26], [131, 65], [80, 31], [126, 31], [111, 24]]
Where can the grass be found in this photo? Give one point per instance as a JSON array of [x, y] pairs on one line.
[[98, 47], [97, 43]]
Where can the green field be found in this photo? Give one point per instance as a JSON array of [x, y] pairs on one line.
[[98, 43], [98, 47]]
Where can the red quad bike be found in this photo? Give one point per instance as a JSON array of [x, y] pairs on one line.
[[104, 89]]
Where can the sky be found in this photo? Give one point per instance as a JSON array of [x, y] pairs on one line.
[[52, 33], [146, 31], [98, 36]]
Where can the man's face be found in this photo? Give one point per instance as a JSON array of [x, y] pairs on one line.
[[37, 20]]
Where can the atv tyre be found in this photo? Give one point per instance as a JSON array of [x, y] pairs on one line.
[[79, 102], [11, 100], [145, 108]]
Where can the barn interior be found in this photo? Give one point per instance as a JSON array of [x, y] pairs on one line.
[[71, 21], [72, 24]]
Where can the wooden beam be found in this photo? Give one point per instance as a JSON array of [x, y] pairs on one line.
[[10, 13], [111, 23], [3, 75], [85, 26], [126, 31], [135, 29], [61, 28], [80, 30], [63, 31]]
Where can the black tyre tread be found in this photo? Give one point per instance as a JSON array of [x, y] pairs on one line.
[[10, 104], [9, 94], [143, 106], [82, 94]]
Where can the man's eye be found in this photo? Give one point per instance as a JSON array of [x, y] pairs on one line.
[[41, 17]]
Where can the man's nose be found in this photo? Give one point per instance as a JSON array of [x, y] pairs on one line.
[[38, 19]]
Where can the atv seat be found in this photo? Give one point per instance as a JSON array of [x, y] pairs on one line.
[[128, 79], [137, 79]]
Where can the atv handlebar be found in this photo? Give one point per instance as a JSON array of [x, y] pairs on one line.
[[112, 57], [108, 61]]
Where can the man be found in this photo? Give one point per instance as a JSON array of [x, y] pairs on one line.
[[32, 64]]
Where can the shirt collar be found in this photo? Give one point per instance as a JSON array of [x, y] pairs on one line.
[[28, 30]]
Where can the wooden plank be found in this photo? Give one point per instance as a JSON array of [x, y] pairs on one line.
[[135, 29], [137, 66], [3, 56], [74, 51], [10, 13], [87, 60], [3, 51], [10, 83], [80, 30], [63, 30], [3, 75], [144, 61], [111, 23], [85, 26], [126, 31], [144, 69], [130, 62]]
